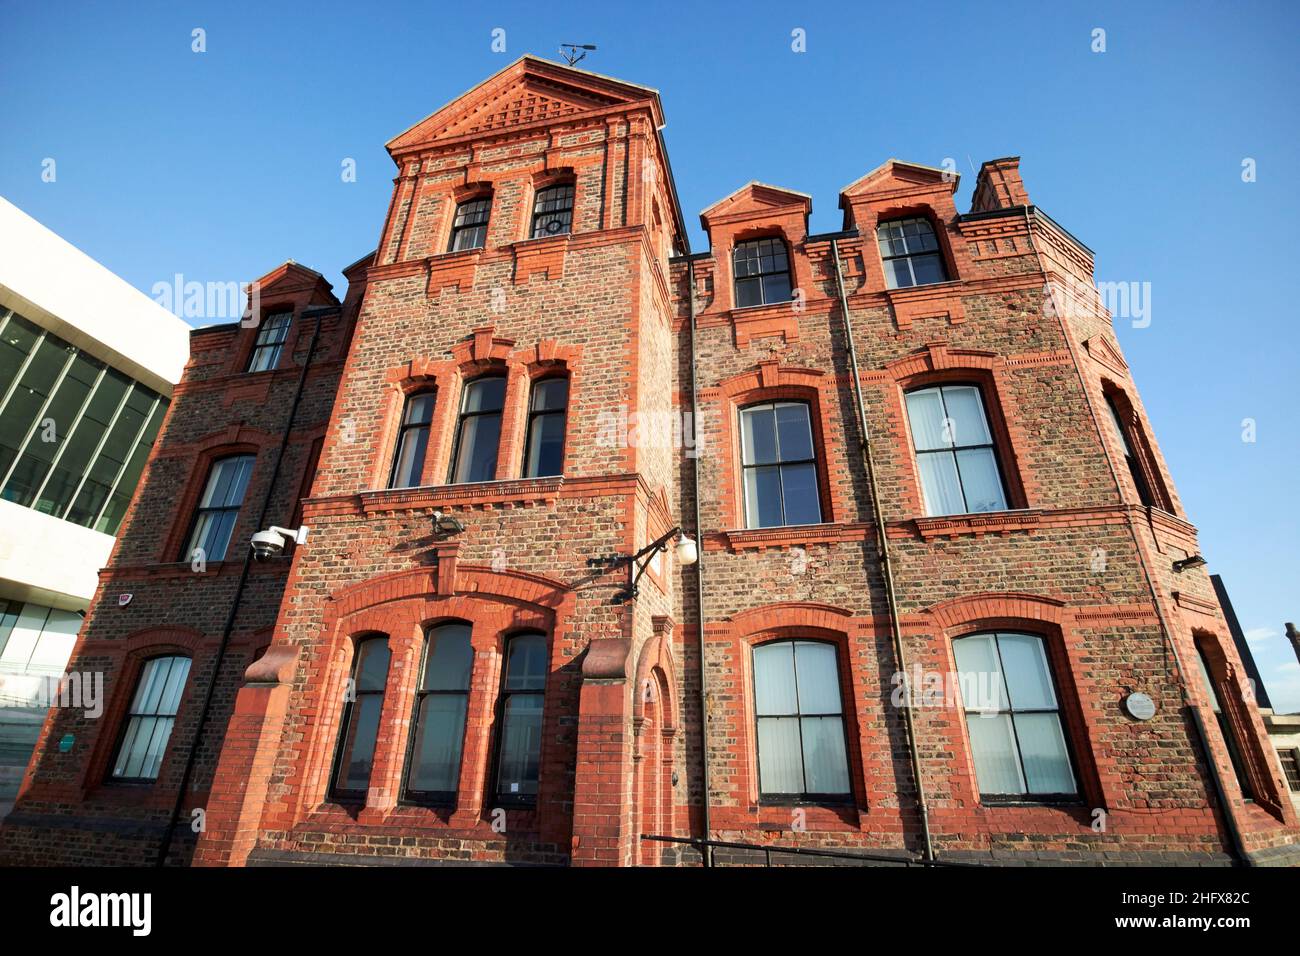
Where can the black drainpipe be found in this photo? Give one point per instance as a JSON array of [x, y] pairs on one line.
[[882, 551], [192, 756], [706, 851]]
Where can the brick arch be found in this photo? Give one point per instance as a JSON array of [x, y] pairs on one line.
[[974, 610], [792, 615]]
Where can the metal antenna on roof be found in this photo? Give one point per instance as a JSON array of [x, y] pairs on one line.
[[574, 52]]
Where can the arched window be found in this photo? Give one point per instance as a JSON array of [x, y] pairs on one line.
[[779, 465], [150, 719], [412, 440], [270, 341], [547, 410], [359, 728], [910, 252], [478, 431], [1132, 445], [1013, 717], [469, 228], [1217, 687], [553, 211], [761, 268], [955, 453], [214, 521], [441, 704], [802, 753], [519, 739]]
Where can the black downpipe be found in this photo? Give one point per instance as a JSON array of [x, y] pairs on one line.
[[191, 758], [706, 851]]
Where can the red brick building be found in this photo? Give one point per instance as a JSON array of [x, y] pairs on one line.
[[910, 447]]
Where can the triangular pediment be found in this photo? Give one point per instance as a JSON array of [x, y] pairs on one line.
[[894, 174], [1101, 348], [529, 92], [756, 198]]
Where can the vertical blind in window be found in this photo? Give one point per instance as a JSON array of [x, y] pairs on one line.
[[1012, 716], [360, 725], [801, 747], [151, 718], [441, 705], [779, 465], [520, 740], [954, 451], [219, 507]]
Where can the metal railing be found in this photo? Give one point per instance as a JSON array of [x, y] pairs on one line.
[[709, 846]]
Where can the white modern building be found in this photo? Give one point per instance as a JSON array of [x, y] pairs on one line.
[[87, 365]]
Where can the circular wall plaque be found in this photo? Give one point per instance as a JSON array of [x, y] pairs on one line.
[[1140, 706]]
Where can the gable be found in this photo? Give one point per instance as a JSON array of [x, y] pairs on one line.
[[529, 92], [896, 174], [756, 199]]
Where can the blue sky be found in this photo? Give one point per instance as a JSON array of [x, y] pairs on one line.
[[220, 165]]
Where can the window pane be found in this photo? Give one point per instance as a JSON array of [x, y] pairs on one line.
[[979, 673], [1024, 662], [939, 484], [825, 760], [372, 665], [169, 702], [776, 288], [795, 431], [526, 668], [450, 658], [925, 414], [780, 761], [993, 747], [980, 480], [411, 450], [897, 274], [927, 269], [966, 414], [439, 735], [484, 395], [480, 436], [799, 486], [1042, 748], [763, 497], [749, 292], [545, 446], [774, 679], [419, 409], [521, 745], [358, 754], [758, 435], [550, 394], [818, 678]]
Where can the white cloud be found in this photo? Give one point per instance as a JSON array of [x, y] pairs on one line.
[[1261, 635]]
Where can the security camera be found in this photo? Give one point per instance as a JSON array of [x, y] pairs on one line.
[[270, 543]]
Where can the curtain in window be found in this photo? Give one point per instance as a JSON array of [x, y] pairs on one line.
[[800, 723]]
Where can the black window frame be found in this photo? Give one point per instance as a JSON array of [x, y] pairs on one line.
[[339, 794], [462, 418], [110, 772], [1006, 799], [804, 798], [435, 798], [779, 464], [200, 509], [1127, 440], [558, 200], [406, 427], [758, 245], [1289, 758], [472, 214], [992, 444], [534, 414], [507, 800], [264, 341], [937, 252]]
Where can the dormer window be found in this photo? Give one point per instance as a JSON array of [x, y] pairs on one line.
[[761, 268], [469, 228], [270, 342], [553, 211], [910, 252]]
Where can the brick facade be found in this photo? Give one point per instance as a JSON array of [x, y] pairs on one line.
[[1077, 558]]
